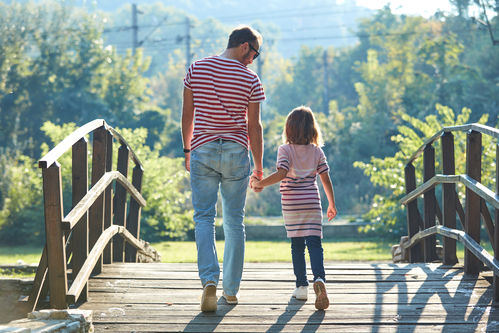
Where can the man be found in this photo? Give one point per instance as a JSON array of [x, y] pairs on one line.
[[221, 111]]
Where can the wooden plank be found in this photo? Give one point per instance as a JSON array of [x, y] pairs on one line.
[[496, 230], [40, 281], [97, 190], [79, 190], [472, 264], [283, 327], [487, 218], [56, 252], [107, 255], [133, 222], [416, 252], [94, 257], [460, 212], [494, 132], [421, 298], [96, 213], [123, 142], [449, 197], [430, 253], [120, 203], [68, 142]]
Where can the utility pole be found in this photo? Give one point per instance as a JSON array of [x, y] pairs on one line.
[[326, 85], [188, 55], [259, 65], [135, 29]]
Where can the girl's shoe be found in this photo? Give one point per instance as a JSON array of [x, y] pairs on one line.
[[321, 300], [301, 293]]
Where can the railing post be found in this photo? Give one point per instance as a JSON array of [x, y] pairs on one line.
[[449, 197], [416, 252], [56, 252], [120, 203], [472, 265], [107, 256], [132, 224], [496, 229], [79, 189], [429, 200], [96, 215]]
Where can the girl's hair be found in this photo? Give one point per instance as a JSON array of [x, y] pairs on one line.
[[301, 128]]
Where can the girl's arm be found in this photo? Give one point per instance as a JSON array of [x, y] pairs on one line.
[[276, 177], [328, 188]]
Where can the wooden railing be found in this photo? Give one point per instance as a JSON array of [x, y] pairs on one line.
[[423, 230], [79, 243]]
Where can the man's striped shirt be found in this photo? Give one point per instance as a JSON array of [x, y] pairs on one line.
[[222, 89]]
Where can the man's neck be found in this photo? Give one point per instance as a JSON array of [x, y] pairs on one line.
[[230, 54]]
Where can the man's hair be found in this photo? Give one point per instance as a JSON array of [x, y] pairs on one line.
[[242, 35], [301, 128]]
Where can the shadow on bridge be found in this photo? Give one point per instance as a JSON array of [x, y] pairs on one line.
[[457, 307]]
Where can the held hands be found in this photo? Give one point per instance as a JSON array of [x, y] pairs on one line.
[[254, 181]]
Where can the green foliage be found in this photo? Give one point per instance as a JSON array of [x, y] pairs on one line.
[[54, 66], [165, 187], [388, 173], [21, 200]]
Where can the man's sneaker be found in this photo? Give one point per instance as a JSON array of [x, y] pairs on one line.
[[301, 293], [230, 299], [209, 298], [321, 300]]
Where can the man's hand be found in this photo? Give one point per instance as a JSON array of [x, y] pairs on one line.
[[254, 179]]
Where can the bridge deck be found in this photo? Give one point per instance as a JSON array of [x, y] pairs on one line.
[[364, 298]]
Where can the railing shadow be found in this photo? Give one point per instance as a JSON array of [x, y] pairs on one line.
[[314, 321], [291, 310], [411, 310]]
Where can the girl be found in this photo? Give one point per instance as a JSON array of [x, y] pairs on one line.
[[299, 160]]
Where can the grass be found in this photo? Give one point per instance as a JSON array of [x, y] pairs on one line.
[[265, 251], [12, 254], [272, 251]]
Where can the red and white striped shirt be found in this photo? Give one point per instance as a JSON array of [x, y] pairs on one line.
[[222, 89]]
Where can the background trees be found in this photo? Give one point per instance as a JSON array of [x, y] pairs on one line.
[[374, 99]]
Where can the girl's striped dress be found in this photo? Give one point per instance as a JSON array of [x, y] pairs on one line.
[[300, 200]]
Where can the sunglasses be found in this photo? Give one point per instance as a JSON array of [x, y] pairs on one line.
[[256, 51]]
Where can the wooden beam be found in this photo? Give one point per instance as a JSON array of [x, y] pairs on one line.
[[449, 198], [133, 222], [430, 253], [68, 142], [94, 256], [80, 189], [416, 252], [86, 202], [40, 281], [120, 203], [56, 252], [472, 265], [107, 256], [468, 242], [96, 213], [496, 230]]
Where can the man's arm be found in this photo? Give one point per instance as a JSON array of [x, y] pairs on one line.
[[255, 133], [187, 124]]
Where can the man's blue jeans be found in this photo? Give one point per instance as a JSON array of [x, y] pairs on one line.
[[316, 253], [223, 165]]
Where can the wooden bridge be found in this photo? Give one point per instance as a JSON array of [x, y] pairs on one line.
[[83, 263]]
